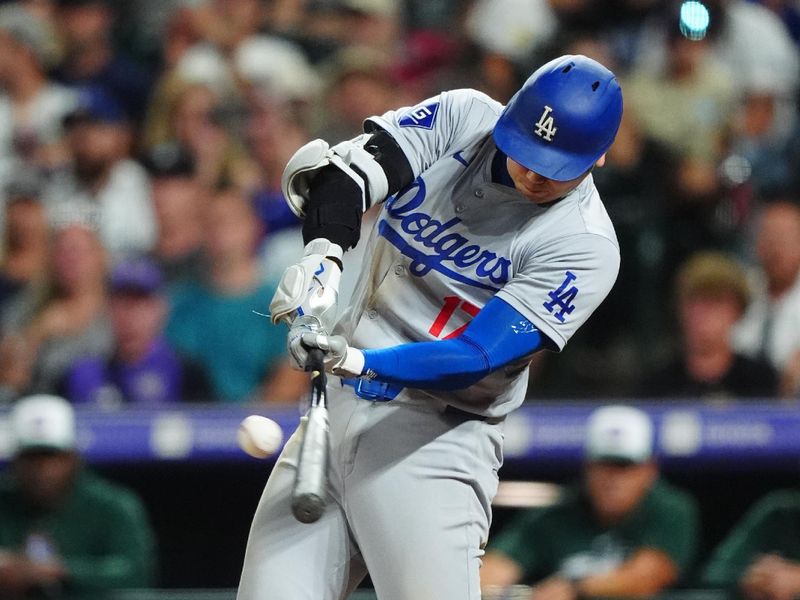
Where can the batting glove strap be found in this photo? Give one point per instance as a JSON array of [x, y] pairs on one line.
[[352, 365]]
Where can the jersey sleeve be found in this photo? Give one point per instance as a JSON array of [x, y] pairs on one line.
[[439, 125], [672, 527], [559, 285], [762, 530], [515, 542]]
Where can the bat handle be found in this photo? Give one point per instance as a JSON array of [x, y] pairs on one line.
[[316, 360], [316, 364]]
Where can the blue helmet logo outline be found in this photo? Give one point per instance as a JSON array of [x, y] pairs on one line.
[[563, 119]]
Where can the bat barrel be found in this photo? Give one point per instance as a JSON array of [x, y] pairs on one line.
[[308, 496]]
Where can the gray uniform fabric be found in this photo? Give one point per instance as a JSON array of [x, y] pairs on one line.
[[410, 489]]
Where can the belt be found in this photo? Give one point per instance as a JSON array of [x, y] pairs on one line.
[[380, 391], [376, 391]]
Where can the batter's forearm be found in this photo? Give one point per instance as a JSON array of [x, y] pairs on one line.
[[492, 340], [446, 365]]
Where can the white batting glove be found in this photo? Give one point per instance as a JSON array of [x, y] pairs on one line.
[[308, 291], [298, 356], [340, 359]]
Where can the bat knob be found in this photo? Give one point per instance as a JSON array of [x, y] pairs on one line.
[[308, 508]]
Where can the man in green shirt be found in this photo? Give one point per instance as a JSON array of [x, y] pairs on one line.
[[62, 529], [761, 556], [622, 532]]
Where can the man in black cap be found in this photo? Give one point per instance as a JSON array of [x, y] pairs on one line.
[[103, 184]]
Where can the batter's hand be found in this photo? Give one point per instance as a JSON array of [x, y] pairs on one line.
[[340, 359], [298, 354], [308, 291]]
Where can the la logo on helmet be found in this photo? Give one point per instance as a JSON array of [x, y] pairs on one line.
[[545, 126]]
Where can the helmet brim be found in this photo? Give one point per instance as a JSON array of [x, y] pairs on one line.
[[545, 160]]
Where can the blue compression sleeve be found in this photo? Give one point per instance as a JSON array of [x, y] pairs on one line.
[[498, 335]]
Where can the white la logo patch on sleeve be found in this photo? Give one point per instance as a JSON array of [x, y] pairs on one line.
[[545, 126]]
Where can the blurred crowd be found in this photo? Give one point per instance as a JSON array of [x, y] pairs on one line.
[[621, 530], [143, 226]]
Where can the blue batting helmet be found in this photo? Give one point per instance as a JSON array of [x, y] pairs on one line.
[[563, 119]]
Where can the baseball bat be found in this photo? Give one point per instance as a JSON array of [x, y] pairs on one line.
[[308, 495]]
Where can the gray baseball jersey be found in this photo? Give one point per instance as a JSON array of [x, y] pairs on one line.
[[451, 240], [410, 483]]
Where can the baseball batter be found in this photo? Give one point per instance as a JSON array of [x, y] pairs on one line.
[[492, 243]]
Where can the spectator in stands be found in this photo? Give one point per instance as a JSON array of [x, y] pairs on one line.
[[359, 85], [90, 58], [761, 555], [23, 265], [273, 137], [63, 530], [754, 44], [712, 295], [765, 135], [771, 326], [226, 24], [191, 115], [789, 13], [179, 34], [144, 370], [104, 183], [622, 533], [72, 321], [372, 24], [273, 70], [509, 33], [212, 321], [179, 202], [31, 107], [687, 106]]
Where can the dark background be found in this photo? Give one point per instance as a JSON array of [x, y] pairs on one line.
[[201, 511]]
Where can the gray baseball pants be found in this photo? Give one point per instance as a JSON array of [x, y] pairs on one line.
[[410, 491]]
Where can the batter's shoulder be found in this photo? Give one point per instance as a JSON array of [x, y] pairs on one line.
[[594, 215], [474, 98], [439, 126]]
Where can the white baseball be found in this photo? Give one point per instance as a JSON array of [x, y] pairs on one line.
[[259, 436]]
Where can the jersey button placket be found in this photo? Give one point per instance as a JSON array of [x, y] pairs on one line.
[[372, 313], [479, 193], [400, 270]]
